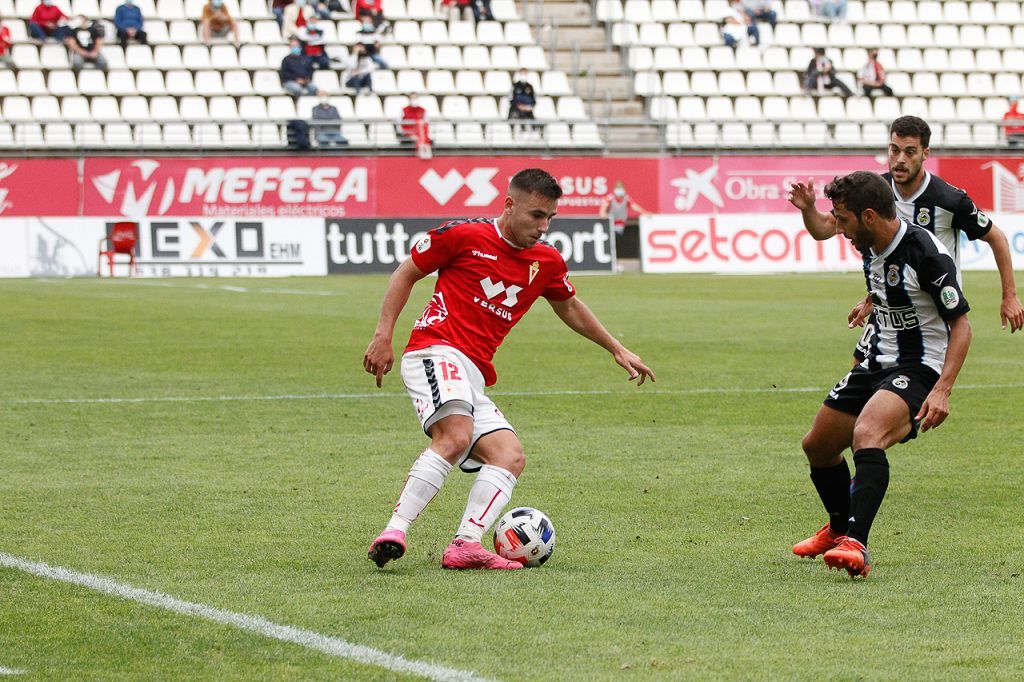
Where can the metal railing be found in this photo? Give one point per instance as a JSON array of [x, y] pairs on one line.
[[598, 136]]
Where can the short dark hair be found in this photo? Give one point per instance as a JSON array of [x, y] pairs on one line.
[[862, 190], [912, 126], [536, 181]]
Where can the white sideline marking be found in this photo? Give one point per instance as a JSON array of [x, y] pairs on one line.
[[386, 394], [11, 671], [332, 646]]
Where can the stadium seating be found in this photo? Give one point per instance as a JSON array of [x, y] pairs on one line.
[[177, 92], [953, 62]]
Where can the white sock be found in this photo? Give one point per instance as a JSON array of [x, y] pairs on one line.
[[490, 493], [425, 478]]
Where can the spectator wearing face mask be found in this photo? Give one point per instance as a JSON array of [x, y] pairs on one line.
[[297, 72], [372, 10], [312, 39], [5, 46], [128, 22], [84, 43], [359, 70], [327, 129], [872, 76], [217, 22], [617, 206], [413, 128], [369, 37], [47, 21], [1013, 124], [522, 101]]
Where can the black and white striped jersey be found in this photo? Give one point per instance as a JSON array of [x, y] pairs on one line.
[[943, 210], [915, 288]]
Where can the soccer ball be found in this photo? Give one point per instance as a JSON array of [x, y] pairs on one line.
[[525, 535]]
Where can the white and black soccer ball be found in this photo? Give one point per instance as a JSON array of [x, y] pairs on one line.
[[525, 535]]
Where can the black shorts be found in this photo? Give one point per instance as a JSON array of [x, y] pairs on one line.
[[912, 383]]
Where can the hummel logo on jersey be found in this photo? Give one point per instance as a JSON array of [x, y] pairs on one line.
[[492, 289], [481, 254], [938, 282]]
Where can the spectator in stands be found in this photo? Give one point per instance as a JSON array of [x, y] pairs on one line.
[[372, 10], [277, 9], [326, 131], [737, 24], [413, 128], [312, 39], [369, 37], [1014, 133], [294, 17], [834, 10], [821, 76], [217, 22], [128, 22], [48, 21], [522, 102], [617, 206], [481, 10], [871, 77], [297, 72], [5, 46], [359, 70], [761, 10], [84, 43]]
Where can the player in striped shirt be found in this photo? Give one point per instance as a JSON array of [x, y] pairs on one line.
[[914, 346]]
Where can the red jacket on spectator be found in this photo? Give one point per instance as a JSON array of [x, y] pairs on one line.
[[369, 5], [47, 16], [5, 40], [414, 123], [1014, 115]]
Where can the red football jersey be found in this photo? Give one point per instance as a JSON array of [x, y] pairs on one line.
[[484, 285]]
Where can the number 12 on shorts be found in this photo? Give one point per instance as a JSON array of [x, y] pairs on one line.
[[450, 371]]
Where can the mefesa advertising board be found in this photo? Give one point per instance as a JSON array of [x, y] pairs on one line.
[[380, 244], [226, 187]]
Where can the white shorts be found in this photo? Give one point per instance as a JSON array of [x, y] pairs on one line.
[[442, 381]]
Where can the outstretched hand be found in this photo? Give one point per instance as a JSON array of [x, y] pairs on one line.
[[632, 363], [802, 194]]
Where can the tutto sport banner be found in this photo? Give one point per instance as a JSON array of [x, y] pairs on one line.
[[314, 215]]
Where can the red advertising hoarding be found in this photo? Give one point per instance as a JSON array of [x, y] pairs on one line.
[[996, 185], [39, 187]]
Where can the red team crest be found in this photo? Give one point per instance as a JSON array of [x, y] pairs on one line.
[[484, 285]]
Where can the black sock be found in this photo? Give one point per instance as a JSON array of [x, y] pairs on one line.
[[869, 485], [833, 485]]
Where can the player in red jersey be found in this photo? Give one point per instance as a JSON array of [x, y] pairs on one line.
[[489, 274]]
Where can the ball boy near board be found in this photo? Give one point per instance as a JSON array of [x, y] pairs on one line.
[[914, 346], [489, 274]]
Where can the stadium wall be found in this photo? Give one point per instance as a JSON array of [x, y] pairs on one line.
[[281, 216]]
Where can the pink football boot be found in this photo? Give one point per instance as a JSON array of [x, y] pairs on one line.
[[389, 545], [465, 554]]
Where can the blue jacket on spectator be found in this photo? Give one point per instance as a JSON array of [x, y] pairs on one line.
[[128, 16], [296, 66]]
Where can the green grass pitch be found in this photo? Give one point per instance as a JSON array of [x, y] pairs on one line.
[[675, 504]]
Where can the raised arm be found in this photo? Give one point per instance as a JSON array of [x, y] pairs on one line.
[[820, 225], [936, 406], [379, 356], [579, 318], [1010, 310]]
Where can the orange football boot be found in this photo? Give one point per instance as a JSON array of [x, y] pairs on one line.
[[822, 541], [849, 554]]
